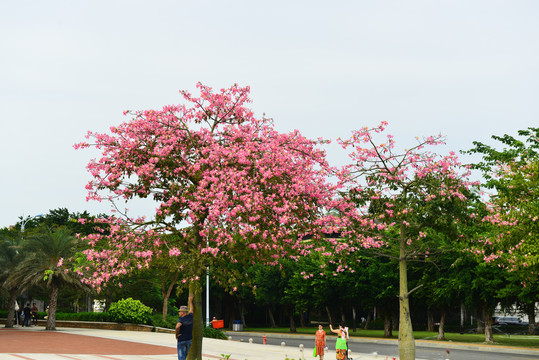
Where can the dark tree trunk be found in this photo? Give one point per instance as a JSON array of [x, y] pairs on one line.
[[480, 320], [354, 325], [242, 315], [531, 318], [366, 327], [271, 318], [387, 326], [53, 298], [166, 291], [11, 312], [430, 320], [462, 310], [395, 321], [441, 328], [291, 318], [302, 319], [330, 318], [489, 337]]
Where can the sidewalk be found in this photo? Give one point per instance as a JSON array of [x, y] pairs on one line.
[[35, 343], [96, 344]]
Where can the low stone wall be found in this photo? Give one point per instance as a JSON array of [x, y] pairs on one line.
[[101, 325]]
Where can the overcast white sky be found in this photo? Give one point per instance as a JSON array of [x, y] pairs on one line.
[[466, 69]]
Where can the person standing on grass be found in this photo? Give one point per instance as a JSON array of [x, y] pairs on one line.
[[184, 329], [320, 342]]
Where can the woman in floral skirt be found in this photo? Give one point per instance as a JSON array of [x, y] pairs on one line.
[[341, 345]]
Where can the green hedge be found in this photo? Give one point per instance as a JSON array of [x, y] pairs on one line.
[[85, 316]]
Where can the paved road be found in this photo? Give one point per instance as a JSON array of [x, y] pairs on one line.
[[389, 348]]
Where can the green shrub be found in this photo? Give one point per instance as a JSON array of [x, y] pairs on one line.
[[210, 332], [129, 311]]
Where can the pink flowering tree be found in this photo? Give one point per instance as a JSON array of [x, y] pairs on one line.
[[398, 202], [512, 177], [228, 188]]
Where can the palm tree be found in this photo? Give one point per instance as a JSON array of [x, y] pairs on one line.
[[43, 266], [10, 256]]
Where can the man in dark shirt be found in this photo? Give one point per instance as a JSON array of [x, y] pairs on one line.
[[27, 314], [184, 329]]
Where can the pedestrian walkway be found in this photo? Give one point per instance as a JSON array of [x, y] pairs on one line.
[[35, 343]]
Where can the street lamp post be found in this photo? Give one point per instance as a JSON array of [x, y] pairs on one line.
[[207, 296], [207, 290], [25, 221]]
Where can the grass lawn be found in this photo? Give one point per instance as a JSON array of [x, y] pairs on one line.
[[528, 341]]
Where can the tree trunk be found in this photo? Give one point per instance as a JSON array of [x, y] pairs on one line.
[[531, 318], [480, 320], [271, 318], [302, 319], [11, 311], [406, 332], [354, 327], [441, 328], [430, 320], [489, 337], [366, 327], [387, 326], [462, 309], [330, 318], [291, 318], [166, 291], [395, 320], [89, 303], [165, 306], [195, 351], [242, 315], [53, 298]]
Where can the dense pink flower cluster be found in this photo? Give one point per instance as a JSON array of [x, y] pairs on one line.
[[225, 182]]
